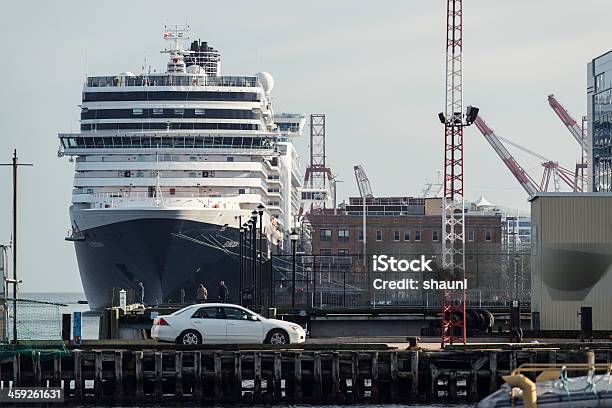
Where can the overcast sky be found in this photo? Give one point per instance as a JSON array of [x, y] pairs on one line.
[[376, 69]]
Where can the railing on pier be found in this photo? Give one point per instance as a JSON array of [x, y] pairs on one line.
[[324, 281]]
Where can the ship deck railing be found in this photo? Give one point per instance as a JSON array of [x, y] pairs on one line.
[[171, 80]]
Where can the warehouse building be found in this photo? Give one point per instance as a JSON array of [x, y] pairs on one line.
[[571, 259]]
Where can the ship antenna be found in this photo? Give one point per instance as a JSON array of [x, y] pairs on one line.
[[177, 35]]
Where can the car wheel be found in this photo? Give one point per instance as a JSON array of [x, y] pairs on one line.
[[277, 336], [189, 337]]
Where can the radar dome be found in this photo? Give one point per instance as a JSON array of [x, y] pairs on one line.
[[266, 81], [127, 74], [195, 69]]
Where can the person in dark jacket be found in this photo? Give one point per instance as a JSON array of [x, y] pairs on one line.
[[202, 293], [223, 292]]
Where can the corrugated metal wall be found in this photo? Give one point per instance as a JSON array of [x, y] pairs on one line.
[[571, 259]]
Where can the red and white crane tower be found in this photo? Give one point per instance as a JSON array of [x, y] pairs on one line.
[[453, 217], [580, 135]]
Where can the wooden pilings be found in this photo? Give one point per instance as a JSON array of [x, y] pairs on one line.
[[276, 376]]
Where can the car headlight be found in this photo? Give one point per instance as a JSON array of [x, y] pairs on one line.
[[296, 328]]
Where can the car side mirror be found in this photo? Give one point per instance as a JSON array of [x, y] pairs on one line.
[[254, 318]]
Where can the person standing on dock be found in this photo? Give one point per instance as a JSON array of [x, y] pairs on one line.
[[140, 293], [223, 292], [202, 294]]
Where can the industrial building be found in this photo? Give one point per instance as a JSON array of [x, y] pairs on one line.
[[571, 259], [599, 97]]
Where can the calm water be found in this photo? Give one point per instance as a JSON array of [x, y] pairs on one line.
[[90, 332]]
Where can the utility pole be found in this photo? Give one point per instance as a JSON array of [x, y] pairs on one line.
[[15, 164]]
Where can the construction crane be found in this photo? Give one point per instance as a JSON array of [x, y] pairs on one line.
[[453, 214], [365, 191], [552, 170], [517, 171], [579, 134]]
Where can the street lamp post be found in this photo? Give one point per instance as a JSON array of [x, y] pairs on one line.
[[241, 238], [245, 255], [260, 212], [294, 237], [254, 260]]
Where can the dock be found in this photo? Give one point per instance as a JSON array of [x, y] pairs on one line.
[[365, 373]]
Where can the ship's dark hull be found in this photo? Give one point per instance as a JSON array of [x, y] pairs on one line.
[[166, 254]]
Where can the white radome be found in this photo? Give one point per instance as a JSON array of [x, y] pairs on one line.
[[127, 74], [195, 70], [266, 80]]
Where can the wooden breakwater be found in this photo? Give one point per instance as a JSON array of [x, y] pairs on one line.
[[275, 375]]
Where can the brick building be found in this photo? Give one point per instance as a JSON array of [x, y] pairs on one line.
[[407, 226]]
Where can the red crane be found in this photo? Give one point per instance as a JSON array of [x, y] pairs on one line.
[[579, 134], [552, 170]]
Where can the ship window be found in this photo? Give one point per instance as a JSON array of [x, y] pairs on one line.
[[192, 158], [192, 174], [158, 111], [137, 111], [173, 191], [139, 174], [241, 191], [127, 174], [229, 159], [179, 111], [204, 174], [199, 111]]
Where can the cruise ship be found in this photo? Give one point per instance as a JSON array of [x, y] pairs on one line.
[[168, 164]]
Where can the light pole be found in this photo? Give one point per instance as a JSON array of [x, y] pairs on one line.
[[246, 255], [15, 164], [241, 239], [254, 260], [260, 209], [294, 237]]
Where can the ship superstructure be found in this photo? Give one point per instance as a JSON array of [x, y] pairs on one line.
[[167, 167]]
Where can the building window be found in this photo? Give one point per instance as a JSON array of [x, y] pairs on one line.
[[396, 235], [471, 235], [343, 234], [488, 236], [360, 257], [343, 252], [379, 235], [360, 235], [417, 235], [137, 111], [435, 236], [325, 252], [406, 235], [325, 235]]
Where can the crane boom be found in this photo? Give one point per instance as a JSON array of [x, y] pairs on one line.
[[568, 121], [524, 179], [363, 183]]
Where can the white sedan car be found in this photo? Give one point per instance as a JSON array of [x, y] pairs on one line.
[[224, 323]]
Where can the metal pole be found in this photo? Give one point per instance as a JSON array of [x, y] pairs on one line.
[[15, 284], [254, 261], [293, 242], [363, 199], [260, 258], [240, 259]]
